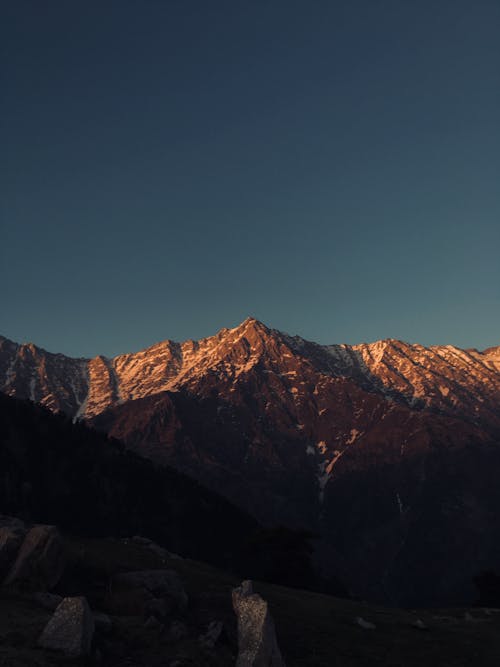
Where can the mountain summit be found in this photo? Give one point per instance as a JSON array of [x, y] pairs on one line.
[[385, 449], [455, 381]]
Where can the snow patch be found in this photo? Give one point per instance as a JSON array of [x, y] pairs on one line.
[[321, 446], [32, 388], [353, 436], [323, 476], [10, 373], [400, 504], [86, 383]]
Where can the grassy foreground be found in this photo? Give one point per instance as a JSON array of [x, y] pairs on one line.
[[312, 629]]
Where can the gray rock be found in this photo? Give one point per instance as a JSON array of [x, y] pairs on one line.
[[143, 541], [177, 631], [158, 607], [257, 643], [162, 553], [102, 622], [12, 522], [153, 547], [152, 623], [46, 600], [40, 561], [71, 628], [146, 592], [366, 625], [11, 539], [212, 635], [419, 624]]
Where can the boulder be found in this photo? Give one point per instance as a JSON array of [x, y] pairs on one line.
[[152, 623], [212, 635], [71, 628], [257, 643], [11, 539], [46, 600], [366, 625], [12, 522], [162, 553], [145, 593], [40, 561], [102, 622], [176, 632], [142, 541]]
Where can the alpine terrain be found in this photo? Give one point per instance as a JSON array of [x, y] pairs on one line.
[[388, 452]]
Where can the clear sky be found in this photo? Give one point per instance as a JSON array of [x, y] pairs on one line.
[[171, 167]]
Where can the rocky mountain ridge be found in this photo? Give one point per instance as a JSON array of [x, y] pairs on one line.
[[384, 449], [445, 378]]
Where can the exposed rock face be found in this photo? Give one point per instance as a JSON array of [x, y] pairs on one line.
[[54, 380], [257, 644], [103, 622], [71, 628], [146, 593], [11, 538], [40, 561], [444, 377], [214, 631], [47, 600]]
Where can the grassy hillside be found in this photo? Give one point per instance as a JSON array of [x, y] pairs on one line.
[[313, 630]]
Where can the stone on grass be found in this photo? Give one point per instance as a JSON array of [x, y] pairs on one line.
[[11, 539], [366, 625], [40, 561], [212, 635], [71, 628], [146, 592], [419, 624], [177, 631], [102, 622], [152, 623], [257, 643], [46, 600]]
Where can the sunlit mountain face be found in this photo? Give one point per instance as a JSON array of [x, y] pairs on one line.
[[388, 451]]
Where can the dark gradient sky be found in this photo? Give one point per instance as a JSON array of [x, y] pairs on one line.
[[169, 168]]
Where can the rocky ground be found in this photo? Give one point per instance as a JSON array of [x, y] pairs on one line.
[[200, 629]]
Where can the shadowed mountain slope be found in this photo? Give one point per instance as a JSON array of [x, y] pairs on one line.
[[388, 450]]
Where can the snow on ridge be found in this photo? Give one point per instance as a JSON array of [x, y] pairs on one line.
[[354, 435], [340, 353], [325, 464], [82, 404], [32, 388], [10, 373]]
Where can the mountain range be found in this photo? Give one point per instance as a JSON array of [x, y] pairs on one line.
[[389, 452]]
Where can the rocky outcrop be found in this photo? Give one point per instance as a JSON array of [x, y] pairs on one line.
[[294, 432], [147, 593], [103, 622], [257, 643], [443, 377], [212, 635], [31, 558], [11, 537], [40, 561], [46, 600], [71, 628]]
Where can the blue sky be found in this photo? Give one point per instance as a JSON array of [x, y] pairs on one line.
[[169, 168]]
